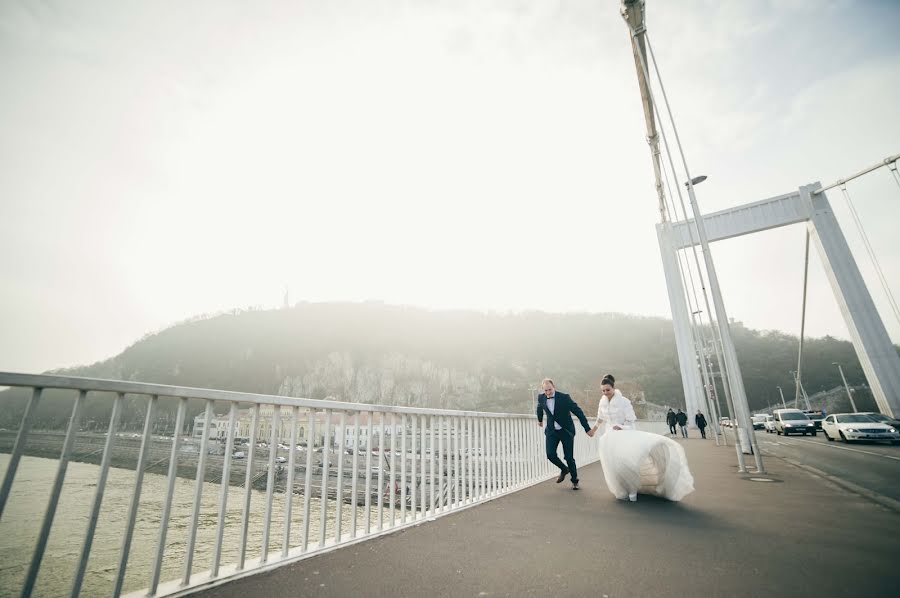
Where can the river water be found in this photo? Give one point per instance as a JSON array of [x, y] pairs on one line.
[[25, 510]]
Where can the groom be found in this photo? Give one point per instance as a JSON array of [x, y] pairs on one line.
[[560, 428]]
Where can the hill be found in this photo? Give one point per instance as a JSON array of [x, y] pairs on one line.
[[386, 354]]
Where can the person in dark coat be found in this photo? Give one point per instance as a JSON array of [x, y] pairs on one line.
[[671, 420], [700, 420], [559, 409], [681, 418]]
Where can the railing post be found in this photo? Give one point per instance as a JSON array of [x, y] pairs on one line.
[[270, 481], [167, 503], [393, 479], [403, 468], [98, 495], [353, 484], [289, 486], [19, 447], [381, 460], [413, 484], [223, 491], [198, 495], [326, 457], [136, 495], [339, 491], [307, 482], [370, 415], [71, 432]]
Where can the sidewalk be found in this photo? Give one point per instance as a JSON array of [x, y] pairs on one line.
[[797, 536]]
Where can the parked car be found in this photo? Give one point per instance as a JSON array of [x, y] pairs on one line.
[[239, 455], [856, 426], [884, 419], [280, 459], [769, 424], [759, 421], [793, 421]]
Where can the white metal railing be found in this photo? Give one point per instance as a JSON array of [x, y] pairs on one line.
[[447, 460]]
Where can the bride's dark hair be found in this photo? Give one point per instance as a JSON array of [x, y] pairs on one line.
[[608, 379]]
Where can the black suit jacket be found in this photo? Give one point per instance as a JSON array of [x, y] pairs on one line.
[[563, 411]]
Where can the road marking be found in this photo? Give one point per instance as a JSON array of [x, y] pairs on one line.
[[881, 499], [845, 448]]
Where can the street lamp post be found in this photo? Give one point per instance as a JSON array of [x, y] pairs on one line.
[[846, 386], [782, 397]]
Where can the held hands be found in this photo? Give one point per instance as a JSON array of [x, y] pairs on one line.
[[592, 431], [617, 427], [540, 424]]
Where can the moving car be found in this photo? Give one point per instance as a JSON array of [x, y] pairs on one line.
[[856, 426], [769, 424], [885, 419], [816, 417], [759, 421], [793, 421]]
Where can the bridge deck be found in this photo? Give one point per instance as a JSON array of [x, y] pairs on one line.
[[799, 536]]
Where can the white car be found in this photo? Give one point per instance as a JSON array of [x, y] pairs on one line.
[[759, 421], [280, 460], [239, 455], [769, 424], [793, 421], [856, 426]]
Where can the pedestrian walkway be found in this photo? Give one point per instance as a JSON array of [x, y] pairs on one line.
[[798, 535]]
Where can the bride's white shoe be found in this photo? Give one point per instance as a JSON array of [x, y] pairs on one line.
[[632, 497]]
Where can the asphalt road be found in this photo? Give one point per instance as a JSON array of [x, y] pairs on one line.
[[872, 465]]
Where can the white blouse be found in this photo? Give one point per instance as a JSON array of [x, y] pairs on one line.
[[616, 412]]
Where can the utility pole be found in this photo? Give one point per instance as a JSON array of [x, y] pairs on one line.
[[782, 397]]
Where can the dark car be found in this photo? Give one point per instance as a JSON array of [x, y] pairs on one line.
[[816, 417], [883, 419]]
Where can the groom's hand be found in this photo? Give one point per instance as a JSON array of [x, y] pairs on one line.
[[617, 427], [540, 424], [590, 433]]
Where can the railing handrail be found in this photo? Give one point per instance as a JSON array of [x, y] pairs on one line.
[[46, 381]]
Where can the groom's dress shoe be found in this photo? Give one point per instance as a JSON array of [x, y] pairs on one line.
[[562, 476], [575, 485]]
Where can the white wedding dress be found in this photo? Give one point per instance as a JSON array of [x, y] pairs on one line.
[[639, 462]]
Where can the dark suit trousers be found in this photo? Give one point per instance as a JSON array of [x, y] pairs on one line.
[[568, 442]]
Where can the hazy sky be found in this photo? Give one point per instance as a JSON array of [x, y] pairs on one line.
[[164, 159]]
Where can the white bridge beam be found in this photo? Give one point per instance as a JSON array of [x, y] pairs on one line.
[[877, 355]]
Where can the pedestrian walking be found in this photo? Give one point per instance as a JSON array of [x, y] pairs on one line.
[[671, 420], [700, 421], [681, 418]]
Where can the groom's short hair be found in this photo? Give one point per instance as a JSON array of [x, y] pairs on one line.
[[546, 380]]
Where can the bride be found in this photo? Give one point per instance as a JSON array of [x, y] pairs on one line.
[[635, 461]]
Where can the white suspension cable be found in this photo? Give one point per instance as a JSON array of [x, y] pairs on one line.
[[721, 362], [802, 328], [723, 367], [889, 161], [739, 398], [872, 256]]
